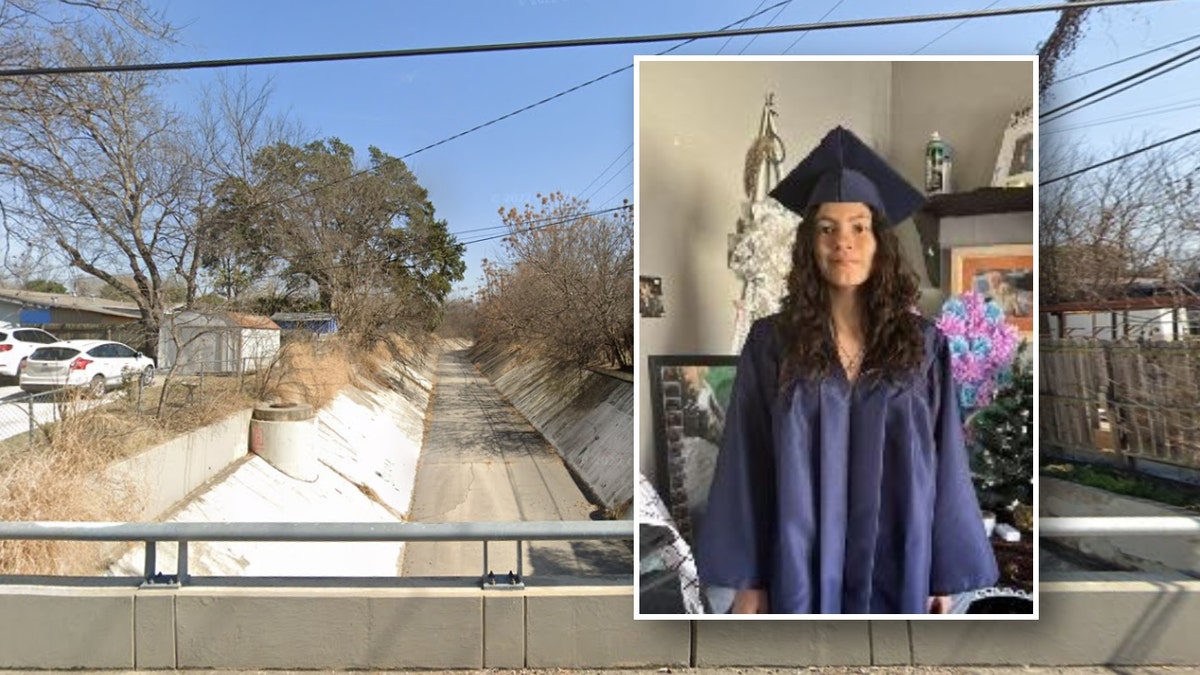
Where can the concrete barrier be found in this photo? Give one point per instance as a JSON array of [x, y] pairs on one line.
[[1103, 619], [166, 474], [588, 417]]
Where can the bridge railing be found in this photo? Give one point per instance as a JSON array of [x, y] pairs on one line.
[[484, 532], [184, 533], [1119, 526]]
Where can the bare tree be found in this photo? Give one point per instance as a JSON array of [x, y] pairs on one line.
[[234, 124], [1102, 231], [567, 284], [105, 172], [1061, 42]]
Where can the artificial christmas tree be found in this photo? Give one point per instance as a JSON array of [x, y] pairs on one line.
[[1002, 435]]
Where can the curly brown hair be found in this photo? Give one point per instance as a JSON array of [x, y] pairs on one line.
[[894, 338]]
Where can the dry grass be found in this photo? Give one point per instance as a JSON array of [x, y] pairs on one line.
[[315, 372], [309, 372], [65, 475], [65, 479]]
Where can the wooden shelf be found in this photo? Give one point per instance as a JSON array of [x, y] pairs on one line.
[[981, 202]]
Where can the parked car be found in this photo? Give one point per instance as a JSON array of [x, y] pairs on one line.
[[16, 344], [97, 365]]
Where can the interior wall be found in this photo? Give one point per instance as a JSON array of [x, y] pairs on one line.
[[696, 121], [967, 102]]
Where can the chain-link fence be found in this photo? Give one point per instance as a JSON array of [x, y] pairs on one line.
[[26, 414], [1122, 398]]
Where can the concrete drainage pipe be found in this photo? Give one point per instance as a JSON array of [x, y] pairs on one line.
[[284, 434]]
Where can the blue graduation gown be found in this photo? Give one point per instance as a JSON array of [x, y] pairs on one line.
[[842, 498]]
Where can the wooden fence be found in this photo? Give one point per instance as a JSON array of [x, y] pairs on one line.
[[1126, 399]]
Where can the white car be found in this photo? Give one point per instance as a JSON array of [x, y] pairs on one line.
[[16, 344], [97, 365]]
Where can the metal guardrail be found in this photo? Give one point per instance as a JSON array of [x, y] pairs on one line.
[[184, 533], [1119, 526], [485, 532]]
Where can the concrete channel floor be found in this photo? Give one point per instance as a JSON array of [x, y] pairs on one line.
[[482, 461]]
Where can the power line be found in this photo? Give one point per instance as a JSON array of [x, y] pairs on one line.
[[391, 259], [502, 118], [1126, 88], [611, 164], [951, 29], [1127, 59], [740, 23], [757, 11], [1146, 73], [610, 178], [805, 33], [536, 220], [1178, 106], [1127, 155], [769, 22], [618, 194], [560, 221], [556, 44]]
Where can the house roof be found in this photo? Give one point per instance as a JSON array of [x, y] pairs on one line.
[[303, 317], [126, 310], [256, 321]]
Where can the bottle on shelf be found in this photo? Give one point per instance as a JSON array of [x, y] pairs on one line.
[[938, 162]]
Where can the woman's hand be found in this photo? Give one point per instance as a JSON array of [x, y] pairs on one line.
[[939, 604], [749, 601]]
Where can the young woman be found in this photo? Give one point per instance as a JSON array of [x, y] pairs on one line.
[[842, 485]]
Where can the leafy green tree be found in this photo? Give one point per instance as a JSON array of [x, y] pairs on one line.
[[232, 244], [365, 238]]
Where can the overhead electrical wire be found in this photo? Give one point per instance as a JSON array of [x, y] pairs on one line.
[[610, 178], [556, 220], [1118, 62], [611, 165], [1124, 84], [757, 12], [618, 194], [800, 37], [597, 212], [951, 29], [769, 22], [741, 23], [557, 44], [1124, 89], [502, 118], [1177, 106], [1113, 160]]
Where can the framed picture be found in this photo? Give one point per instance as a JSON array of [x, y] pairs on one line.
[[650, 300], [689, 397], [1014, 164], [1003, 274]]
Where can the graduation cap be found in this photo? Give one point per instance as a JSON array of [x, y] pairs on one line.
[[844, 169]]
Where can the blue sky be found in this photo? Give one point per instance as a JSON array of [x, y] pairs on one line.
[[403, 104]]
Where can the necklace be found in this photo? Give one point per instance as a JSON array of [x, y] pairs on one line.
[[850, 361]]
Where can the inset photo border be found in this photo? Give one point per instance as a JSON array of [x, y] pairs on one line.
[[712, 136]]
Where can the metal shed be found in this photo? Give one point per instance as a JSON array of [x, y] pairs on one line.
[[217, 342], [318, 323]]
